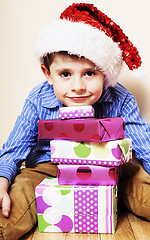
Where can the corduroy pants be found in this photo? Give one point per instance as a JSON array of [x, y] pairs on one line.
[[134, 189]]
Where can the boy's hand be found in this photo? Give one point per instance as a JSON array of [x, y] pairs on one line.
[[5, 201]]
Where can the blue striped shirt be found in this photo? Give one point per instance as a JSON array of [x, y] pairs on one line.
[[23, 144]]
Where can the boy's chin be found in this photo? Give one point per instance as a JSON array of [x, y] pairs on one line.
[[77, 104]]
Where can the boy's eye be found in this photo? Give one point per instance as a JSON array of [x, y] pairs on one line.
[[89, 73], [65, 74]]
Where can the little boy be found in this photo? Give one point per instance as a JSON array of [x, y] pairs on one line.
[[81, 56]]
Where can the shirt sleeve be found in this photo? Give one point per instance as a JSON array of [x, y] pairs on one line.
[[138, 130], [20, 142]]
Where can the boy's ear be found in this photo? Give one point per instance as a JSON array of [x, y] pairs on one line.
[[47, 74]]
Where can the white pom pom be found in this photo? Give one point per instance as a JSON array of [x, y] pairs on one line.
[[138, 73]]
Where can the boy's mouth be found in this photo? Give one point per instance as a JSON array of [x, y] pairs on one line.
[[79, 98]]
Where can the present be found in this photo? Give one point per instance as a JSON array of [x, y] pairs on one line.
[[66, 208], [88, 175], [111, 153], [89, 129], [76, 112]]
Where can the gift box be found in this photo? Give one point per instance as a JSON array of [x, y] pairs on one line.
[[111, 153], [89, 129], [76, 112], [66, 208], [88, 175]]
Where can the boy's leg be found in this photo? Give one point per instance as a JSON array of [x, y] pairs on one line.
[[23, 209], [134, 190]]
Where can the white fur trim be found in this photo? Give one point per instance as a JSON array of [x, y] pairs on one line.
[[82, 40]]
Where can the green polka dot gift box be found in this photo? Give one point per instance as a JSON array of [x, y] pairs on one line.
[[111, 153], [67, 208]]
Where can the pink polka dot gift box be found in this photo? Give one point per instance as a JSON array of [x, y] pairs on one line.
[[76, 112], [88, 175], [86, 129], [111, 153], [68, 208]]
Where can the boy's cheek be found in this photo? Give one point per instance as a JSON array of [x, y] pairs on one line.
[[59, 93]]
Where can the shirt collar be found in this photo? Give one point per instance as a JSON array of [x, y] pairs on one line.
[[106, 96]]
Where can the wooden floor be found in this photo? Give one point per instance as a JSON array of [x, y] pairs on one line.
[[129, 227]]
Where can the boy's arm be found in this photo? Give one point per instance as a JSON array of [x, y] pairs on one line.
[[5, 201], [138, 130], [20, 142]]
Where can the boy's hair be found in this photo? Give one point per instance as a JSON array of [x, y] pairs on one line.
[[48, 59], [85, 31]]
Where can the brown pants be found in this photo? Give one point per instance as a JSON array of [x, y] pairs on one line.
[[134, 188]]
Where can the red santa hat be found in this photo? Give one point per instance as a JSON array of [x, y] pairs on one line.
[[85, 31]]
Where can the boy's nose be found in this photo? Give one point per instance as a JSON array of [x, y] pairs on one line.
[[77, 84]]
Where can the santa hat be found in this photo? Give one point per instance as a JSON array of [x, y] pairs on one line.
[[85, 31]]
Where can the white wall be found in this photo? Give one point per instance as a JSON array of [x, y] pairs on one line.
[[20, 22]]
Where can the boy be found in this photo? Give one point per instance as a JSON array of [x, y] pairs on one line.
[[81, 56]]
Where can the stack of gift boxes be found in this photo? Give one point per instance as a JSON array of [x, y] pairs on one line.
[[89, 153]]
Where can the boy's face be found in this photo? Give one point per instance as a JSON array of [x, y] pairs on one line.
[[76, 81]]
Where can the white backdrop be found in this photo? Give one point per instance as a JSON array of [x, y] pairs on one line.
[[20, 22]]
